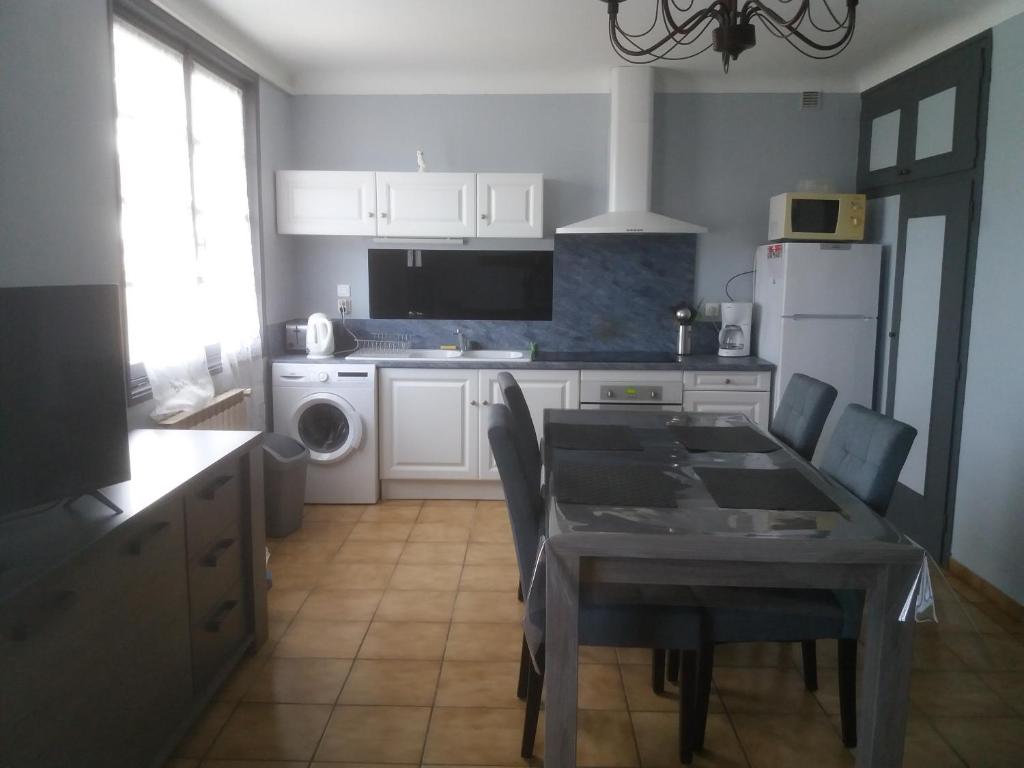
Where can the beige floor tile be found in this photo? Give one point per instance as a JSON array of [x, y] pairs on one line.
[[988, 652], [321, 639], [985, 742], [479, 736], [493, 506], [357, 576], [828, 690], [439, 532], [339, 513], [657, 735], [633, 655], [322, 532], [254, 764], [369, 552], [925, 748], [958, 616], [605, 739], [433, 552], [375, 734], [1009, 686], [436, 577], [393, 682], [320, 764], [478, 684], [484, 642], [392, 513], [423, 641], [299, 681], [469, 505], [493, 530], [636, 679], [762, 654], [183, 762], [784, 741], [955, 694], [453, 513], [272, 732], [965, 590], [241, 678], [202, 735], [415, 605], [490, 578], [399, 502], [283, 604], [303, 551], [594, 654], [340, 604], [488, 607], [381, 532], [482, 553], [767, 691], [293, 574], [600, 687]]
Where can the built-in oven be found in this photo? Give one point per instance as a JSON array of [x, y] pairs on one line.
[[632, 390]]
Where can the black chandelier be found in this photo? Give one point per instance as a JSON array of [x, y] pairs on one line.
[[733, 29]]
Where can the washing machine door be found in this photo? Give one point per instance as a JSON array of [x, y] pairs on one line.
[[328, 426]]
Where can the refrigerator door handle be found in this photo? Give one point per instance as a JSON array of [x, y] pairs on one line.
[[830, 317]]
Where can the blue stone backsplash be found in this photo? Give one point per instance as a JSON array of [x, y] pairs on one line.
[[611, 293]]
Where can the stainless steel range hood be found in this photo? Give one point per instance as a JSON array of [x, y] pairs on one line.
[[629, 182]]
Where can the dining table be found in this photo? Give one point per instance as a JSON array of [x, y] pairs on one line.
[[639, 507]]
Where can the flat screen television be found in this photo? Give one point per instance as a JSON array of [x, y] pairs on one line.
[[460, 285], [63, 419]]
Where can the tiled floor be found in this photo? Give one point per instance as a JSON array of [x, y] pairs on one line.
[[395, 641]]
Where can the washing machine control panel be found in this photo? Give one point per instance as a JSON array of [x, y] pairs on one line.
[[324, 376]]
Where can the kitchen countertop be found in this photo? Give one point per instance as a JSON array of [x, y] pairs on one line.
[[606, 361]]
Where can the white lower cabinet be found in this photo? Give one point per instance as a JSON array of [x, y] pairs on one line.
[[433, 423], [748, 393]]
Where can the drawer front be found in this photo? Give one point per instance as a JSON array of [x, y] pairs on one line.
[[747, 381], [217, 635], [212, 574], [212, 504], [753, 405]]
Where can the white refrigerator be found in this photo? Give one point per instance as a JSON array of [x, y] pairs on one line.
[[816, 312]]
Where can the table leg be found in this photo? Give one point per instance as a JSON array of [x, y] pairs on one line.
[[561, 642], [886, 676]]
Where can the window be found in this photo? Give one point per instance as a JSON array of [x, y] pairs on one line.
[[188, 251]]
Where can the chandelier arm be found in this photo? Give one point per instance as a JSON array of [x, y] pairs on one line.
[[830, 54], [718, 9], [759, 11], [631, 57], [675, 37], [638, 35], [635, 50], [752, 7]]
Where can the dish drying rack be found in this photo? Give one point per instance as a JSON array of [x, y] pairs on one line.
[[384, 342]]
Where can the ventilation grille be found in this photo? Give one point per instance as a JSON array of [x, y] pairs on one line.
[[810, 100]]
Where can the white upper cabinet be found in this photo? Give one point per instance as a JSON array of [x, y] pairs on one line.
[[510, 205], [426, 204], [326, 203]]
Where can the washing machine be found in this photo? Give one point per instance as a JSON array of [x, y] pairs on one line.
[[331, 408]]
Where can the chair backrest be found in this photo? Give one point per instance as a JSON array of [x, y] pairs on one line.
[[522, 425], [802, 412], [522, 495], [866, 454]]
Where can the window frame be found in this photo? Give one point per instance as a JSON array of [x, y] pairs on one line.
[[195, 49]]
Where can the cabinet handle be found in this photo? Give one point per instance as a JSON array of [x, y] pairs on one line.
[[483, 216], [728, 381], [485, 403], [472, 402], [136, 546], [370, 215], [903, 172], [216, 621], [383, 214], [222, 546], [58, 603], [210, 491]]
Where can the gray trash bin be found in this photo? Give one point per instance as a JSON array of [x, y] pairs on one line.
[[284, 475]]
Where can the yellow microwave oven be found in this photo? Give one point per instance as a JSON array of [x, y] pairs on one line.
[[816, 216]]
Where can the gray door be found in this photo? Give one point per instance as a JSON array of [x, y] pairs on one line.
[[927, 352]]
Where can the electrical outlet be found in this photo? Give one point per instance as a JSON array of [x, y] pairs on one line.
[[345, 305], [711, 310]]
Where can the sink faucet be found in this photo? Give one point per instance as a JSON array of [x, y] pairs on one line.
[[462, 340]]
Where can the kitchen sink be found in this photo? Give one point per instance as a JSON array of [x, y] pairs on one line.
[[439, 355], [493, 354]]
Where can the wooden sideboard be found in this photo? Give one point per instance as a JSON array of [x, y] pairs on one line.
[[116, 629]]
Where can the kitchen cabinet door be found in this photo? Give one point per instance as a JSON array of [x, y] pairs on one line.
[[326, 203], [429, 424], [426, 204], [542, 389], [753, 405], [510, 205]]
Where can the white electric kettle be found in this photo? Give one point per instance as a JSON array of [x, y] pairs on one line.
[[319, 336]]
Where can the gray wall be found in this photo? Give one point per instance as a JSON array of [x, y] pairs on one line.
[[989, 524], [717, 160], [58, 213]]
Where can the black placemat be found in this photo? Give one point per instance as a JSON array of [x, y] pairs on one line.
[[782, 489], [593, 437], [724, 439], [610, 485]]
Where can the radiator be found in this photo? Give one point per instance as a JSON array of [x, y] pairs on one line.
[[228, 410]]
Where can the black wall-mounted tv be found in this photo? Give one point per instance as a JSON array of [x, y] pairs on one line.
[[460, 285], [63, 419]]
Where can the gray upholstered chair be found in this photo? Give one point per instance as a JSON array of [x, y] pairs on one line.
[[802, 412], [525, 434]]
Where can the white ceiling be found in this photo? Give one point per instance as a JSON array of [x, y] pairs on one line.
[[547, 46]]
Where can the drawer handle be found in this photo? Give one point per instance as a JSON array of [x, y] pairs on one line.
[[210, 491], [58, 603], [728, 381], [136, 546], [214, 623], [222, 546]]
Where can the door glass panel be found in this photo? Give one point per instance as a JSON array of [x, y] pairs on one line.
[[885, 136], [323, 428], [935, 124], [918, 337]]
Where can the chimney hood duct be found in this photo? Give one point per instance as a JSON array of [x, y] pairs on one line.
[[629, 182]]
